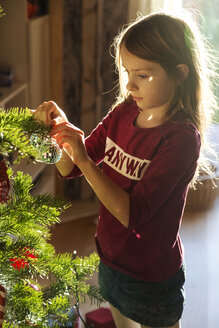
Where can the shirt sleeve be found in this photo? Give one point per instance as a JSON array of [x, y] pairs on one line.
[[170, 171]]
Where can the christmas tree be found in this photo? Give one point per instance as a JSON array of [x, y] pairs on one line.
[[39, 286]]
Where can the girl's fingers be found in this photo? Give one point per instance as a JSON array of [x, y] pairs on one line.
[[68, 137], [63, 140], [41, 114], [65, 126], [56, 112], [73, 146], [49, 109], [49, 113]]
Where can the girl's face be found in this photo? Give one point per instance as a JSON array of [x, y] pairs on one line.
[[147, 82]]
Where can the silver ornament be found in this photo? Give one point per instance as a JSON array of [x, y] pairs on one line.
[[48, 150]]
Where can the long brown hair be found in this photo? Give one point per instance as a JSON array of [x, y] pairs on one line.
[[170, 40]]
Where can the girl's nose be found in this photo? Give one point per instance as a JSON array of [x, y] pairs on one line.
[[131, 85]]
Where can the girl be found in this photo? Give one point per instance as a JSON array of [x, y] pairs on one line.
[[149, 144]]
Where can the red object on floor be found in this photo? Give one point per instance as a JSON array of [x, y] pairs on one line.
[[99, 318]]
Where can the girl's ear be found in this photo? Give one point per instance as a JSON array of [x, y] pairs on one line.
[[183, 72]]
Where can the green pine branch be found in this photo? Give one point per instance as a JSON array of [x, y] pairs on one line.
[[41, 285], [16, 127], [94, 295], [1, 11], [25, 225]]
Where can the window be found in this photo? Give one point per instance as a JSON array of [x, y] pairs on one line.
[[210, 26]]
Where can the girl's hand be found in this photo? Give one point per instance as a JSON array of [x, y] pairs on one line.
[[49, 113], [71, 139]]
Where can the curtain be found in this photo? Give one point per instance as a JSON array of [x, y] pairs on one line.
[[71, 71], [88, 69]]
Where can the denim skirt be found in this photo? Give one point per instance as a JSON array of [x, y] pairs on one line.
[[154, 304]]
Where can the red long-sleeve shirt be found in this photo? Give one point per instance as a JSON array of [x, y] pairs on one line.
[[154, 166]]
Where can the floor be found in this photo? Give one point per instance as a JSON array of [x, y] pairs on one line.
[[199, 232]]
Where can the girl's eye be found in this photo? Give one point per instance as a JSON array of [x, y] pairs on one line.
[[142, 76]]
